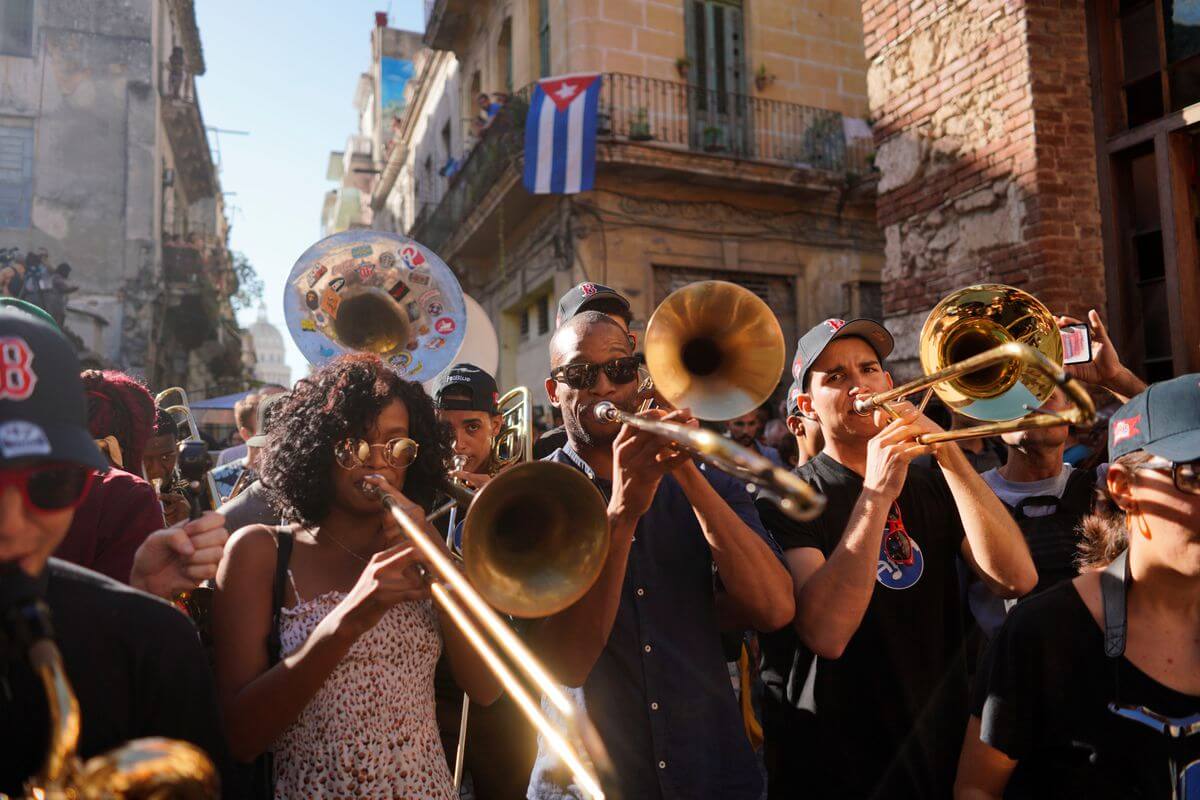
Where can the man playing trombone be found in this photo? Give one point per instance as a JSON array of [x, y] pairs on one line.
[[465, 399], [877, 598], [500, 744], [643, 644]]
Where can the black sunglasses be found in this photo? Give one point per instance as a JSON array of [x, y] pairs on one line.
[[1186, 474], [584, 376]]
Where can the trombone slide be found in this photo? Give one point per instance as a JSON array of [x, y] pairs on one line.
[[1084, 412], [449, 588]]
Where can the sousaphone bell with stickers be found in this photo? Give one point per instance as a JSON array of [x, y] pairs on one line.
[[365, 291]]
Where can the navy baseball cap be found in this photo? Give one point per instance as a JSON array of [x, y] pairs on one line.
[[43, 412], [813, 343], [589, 295], [1164, 421], [268, 409], [475, 389]]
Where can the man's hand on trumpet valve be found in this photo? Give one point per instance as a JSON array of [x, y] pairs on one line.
[[176, 507]]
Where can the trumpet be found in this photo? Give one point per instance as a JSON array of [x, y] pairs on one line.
[[993, 353], [143, 768], [717, 349], [535, 540]]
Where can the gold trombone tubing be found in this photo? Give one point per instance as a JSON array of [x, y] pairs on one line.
[[1084, 412], [507, 640], [793, 496]]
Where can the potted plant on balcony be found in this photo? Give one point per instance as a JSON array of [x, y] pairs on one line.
[[713, 139], [639, 128], [762, 78], [683, 65]]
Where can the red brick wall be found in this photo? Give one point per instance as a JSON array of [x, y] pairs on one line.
[[983, 121]]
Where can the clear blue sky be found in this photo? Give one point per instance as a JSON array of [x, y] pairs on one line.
[[285, 73]]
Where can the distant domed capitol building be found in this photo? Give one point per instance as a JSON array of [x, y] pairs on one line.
[[267, 344]]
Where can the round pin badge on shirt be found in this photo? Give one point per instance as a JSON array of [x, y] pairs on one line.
[[900, 574]]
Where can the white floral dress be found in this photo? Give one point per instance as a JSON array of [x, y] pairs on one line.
[[370, 731]]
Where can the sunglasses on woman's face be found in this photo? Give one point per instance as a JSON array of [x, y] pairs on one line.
[[354, 453], [49, 487], [583, 375], [1186, 475]]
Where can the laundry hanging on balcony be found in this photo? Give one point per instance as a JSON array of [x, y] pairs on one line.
[[560, 134]]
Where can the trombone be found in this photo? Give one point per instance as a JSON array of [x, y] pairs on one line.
[[993, 353], [181, 414], [535, 540], [716, 348]]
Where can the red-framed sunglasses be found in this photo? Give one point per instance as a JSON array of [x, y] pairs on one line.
[[49, 487]]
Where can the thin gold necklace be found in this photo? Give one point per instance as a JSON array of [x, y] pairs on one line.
[[335, 540]]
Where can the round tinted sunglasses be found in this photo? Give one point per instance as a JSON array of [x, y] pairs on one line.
[[1186, 474], [354, 453], [49, 487], [583, 375]]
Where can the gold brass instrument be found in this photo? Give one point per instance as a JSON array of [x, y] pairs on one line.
[[717, 349], [535, 540], [993, 353], [181, 415], [196, 603], [514, 443], [144, 769]]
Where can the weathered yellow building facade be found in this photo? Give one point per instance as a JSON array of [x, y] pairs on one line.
[[731, 145]]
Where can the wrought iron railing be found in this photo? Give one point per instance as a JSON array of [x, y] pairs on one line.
[[666, 114]]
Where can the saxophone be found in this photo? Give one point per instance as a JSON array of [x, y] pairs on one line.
[[144, 769]]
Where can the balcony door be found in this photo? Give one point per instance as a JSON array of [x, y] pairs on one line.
[[716, 44]]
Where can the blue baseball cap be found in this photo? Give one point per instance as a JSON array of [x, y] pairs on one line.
[[1164, 421]]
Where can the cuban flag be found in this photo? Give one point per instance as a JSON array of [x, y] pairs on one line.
[[560, 134]]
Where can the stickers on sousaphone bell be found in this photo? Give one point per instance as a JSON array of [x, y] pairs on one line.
[[372, 291]]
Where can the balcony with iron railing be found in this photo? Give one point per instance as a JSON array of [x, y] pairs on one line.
[[185, 130], [694, 128]]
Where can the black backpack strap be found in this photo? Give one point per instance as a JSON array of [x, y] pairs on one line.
[[1114, 580], [283, 539]]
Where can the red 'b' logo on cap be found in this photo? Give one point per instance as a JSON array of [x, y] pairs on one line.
[[835, 325], [588, 289], [1126, 428], [18, 376]]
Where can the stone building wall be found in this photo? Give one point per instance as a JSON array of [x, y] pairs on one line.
[[985, 144]]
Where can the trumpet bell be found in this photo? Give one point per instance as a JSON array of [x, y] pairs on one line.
[[535, 539], [715, 348], [976, 319]]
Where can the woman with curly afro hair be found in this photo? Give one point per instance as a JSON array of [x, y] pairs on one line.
[[348, 709]]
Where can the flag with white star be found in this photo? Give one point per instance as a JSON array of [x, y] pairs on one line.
[[560, 134]]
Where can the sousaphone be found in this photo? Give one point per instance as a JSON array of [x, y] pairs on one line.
[[364, 291]]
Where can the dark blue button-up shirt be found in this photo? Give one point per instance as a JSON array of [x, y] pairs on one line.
[[660, 694]]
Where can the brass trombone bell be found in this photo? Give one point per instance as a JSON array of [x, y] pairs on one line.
[[715, 348], [993, 353], [974, 320], [535, 539]]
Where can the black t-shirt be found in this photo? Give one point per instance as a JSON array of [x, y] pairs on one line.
[[890, 713], [135, 664], [1043, 693]]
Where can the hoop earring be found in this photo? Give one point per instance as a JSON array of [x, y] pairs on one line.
[[1133, 518]]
